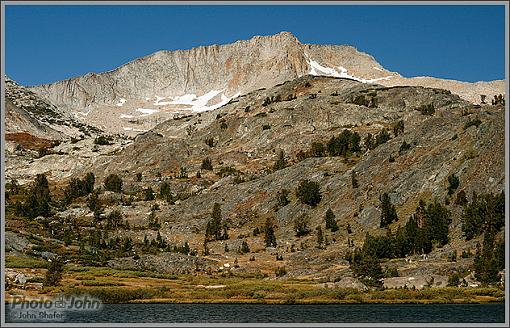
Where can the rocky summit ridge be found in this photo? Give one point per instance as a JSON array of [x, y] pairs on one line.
[[146, 91]]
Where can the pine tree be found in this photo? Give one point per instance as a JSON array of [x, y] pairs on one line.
[[244, 247], [89, 181], [389, 214], [453, 182], [54, 272], [354, 180], [437, 221], [309, 192], [216, 229], [320, 237], [269, 236], [206, 248], [38, 199], [331, 221]]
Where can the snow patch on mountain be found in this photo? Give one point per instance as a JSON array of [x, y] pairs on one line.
[[319, 70], [147, 111]]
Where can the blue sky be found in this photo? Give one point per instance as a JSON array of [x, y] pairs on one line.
[[49, 43]]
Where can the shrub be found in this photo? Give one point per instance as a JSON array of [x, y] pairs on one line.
[[391, 272], [461, 198], [345, 144], [309, 192], [398, 128], [470, 123], [281, 162], [282, 198], [301, 156], [453, 183], [114, 220], [453, 280], [148, 194], [209, 142], [113, 183], [404, 147], [103, 140], [382, 137], [266, 127], [369, 141], [183, 173], [226, 171], [244, 247], [207, 164], [318, 149], [280, 271], [426, 109], [301, 226]]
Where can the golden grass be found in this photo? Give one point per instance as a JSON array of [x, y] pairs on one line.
[[117, 286]]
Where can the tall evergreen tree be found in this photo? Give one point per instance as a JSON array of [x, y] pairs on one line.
[[389, 214], [216, 228], [331, 221], [320, 237], [269, 236], [38, 199]]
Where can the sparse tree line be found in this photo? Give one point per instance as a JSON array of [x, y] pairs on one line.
[[427, 228]]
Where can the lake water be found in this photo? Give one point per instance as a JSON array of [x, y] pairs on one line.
[[260, 313]]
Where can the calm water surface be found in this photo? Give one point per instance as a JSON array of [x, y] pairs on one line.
[[244, 313]]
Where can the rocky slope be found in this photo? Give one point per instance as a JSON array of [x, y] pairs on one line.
[[140, 94], [28, 112], [243, 139]]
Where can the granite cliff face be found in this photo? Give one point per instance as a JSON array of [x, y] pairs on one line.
[[140, 94], [235, 68]]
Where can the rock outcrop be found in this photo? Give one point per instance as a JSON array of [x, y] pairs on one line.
[[28, 112]]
